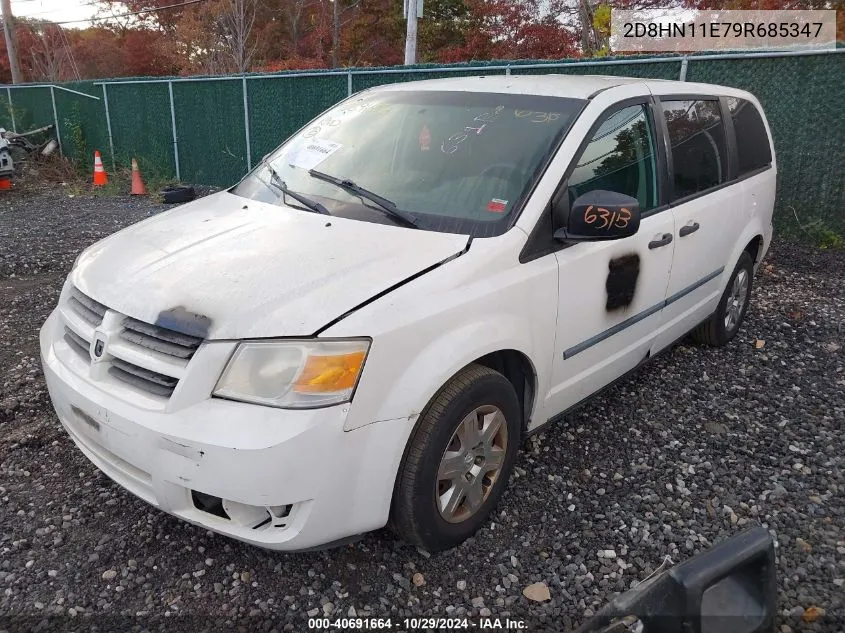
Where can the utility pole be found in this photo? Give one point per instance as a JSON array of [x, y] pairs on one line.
[[335, 31], [11, 49], [411, 33]]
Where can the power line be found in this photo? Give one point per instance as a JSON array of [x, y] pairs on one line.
[[69, 51], [131, 13]]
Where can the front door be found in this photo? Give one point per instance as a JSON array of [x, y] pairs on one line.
[[611, 293]]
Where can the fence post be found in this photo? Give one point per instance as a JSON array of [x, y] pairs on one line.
[[349, 83], [246, 128], [175, 138], [56, 120], [683, 76], [11, 109], [108, 127], [508, 69]]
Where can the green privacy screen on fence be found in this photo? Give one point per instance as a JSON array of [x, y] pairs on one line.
[[277, 109], [218, 127], [804, 101], [141, 126]]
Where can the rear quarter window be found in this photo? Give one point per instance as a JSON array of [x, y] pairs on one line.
[[752, 142]]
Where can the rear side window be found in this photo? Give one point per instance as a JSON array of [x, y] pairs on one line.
[[752, 141], [697, 140]]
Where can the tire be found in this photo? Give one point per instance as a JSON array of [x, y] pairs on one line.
[[420, 513], [178, 194], [718, 330]]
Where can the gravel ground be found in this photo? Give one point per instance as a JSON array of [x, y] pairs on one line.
[[693, 448]]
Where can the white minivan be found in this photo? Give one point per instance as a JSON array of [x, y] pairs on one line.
[[364, 329]]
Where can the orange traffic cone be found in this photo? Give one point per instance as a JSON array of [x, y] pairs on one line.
[[100, 177], [138, 188]]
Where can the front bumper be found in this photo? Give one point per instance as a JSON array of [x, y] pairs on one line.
[[328, 483]]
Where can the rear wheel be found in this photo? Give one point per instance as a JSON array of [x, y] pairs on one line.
[[724, 323], [458, 460]]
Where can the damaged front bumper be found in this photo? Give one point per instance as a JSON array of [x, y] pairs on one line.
[[280, 479]]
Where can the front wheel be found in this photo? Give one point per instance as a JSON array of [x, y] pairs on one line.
[[724, 323], [458, 460]]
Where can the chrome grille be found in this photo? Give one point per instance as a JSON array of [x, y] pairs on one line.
[[148, 357], [160, 339], [90, 310]]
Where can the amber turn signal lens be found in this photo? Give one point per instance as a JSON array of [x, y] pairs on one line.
[[323, 374]]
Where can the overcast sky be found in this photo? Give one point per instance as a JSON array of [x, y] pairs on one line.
[[56, 10]]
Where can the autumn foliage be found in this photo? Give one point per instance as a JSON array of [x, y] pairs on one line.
[[226, 36]]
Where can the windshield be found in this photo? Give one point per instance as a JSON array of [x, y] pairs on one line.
[[456, 162]]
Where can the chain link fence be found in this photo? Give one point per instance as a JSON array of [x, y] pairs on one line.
[[212, 130]]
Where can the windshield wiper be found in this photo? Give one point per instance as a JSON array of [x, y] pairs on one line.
[[385, 205], [277, 182]]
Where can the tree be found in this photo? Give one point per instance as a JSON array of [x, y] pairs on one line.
[[226, 36], [507, 29], [98, 52], [375, 35], [442, 27], [165, 20], [236, 21], [589, 18], [49, 56]]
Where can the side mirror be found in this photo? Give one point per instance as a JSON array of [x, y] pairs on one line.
[[601, 215], [730, 588]]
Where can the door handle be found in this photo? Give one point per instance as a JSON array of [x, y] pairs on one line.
[[687, 229], [663, 241]]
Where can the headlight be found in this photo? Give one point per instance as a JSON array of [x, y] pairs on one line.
[[293, 374]]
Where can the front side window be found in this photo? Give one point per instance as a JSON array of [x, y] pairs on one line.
[[620, 157], [458, 162], [752, 140], [697, 140]]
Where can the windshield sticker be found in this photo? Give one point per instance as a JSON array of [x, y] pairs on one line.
[[425, 139], [312, 153], [497, 206]]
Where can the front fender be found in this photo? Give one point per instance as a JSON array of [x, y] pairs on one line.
[[429, 329], [401, 385]]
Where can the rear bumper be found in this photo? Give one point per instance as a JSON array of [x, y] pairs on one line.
[[336, 483]]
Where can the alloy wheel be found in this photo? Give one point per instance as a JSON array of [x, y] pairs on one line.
[[736, 300], [471, 464]]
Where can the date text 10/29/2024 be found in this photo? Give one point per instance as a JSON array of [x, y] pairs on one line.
[[417, 624]]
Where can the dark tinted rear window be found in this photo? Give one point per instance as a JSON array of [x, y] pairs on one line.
[[697, 139], [751, 139]]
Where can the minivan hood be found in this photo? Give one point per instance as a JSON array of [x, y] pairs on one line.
[[227, 267]]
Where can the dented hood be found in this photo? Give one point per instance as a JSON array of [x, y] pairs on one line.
[[227, 267]]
